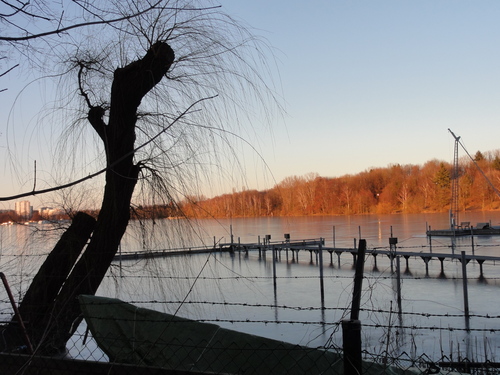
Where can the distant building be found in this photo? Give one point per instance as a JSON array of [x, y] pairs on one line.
[[24, 210], [47, 212]]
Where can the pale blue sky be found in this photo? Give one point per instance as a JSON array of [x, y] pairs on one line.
[[373, 83], [365, 84]]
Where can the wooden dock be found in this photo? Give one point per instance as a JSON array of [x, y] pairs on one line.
[[291, 249]]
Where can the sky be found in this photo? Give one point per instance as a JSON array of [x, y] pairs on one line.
[[373, 83], [365, 84]]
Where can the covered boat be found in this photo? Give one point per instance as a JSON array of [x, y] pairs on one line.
[[133, 335]]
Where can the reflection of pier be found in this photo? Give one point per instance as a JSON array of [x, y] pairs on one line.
[[314, 247]]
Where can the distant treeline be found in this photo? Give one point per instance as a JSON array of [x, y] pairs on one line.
[[394, 189]]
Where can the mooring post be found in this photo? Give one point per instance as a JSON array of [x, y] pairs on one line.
[[466, 293], [351, 329], [393, 241], [426, 261], [398, 282], [339, 253], [334, 236], [480, 262], [274, 266], [407, 259], [287, 242], [331, 256], [430, 239], [472, 239], [441, 260]]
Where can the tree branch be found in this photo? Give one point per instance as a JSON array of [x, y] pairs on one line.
[[90, 176], [96, 113], [86, 24]]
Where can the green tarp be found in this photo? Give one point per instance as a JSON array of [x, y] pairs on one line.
[[129, 334]]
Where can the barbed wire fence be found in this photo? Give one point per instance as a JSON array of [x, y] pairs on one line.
[[326, 358]]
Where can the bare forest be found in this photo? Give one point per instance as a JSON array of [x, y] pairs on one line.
[[394, 189]]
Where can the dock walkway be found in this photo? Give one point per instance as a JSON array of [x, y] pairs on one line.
[[313, 246]]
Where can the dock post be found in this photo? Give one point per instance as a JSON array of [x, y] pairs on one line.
[[407, 259], [426, 261], [334, 236], [441, 259], [338, 256], [287, 244], [259, 246], [480, 262], [331, 256], [393, 241], [398, 282], [472, 239], [430, 239], [274, 266]]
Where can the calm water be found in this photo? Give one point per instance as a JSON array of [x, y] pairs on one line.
[[238, 290]]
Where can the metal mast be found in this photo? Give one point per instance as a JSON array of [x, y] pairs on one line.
[[454, 186]]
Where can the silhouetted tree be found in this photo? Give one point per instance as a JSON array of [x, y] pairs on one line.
[[158, 85], [478, 156]]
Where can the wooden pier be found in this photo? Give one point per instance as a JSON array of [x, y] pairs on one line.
[[314, 247]]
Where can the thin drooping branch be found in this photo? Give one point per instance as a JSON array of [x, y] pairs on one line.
[[93, 23], [93, 175], [76, 26]]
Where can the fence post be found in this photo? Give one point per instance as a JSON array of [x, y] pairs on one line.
[[464, 283], [351, 329], [321, 282]]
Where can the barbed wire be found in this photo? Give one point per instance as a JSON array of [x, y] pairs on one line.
[[295, 308], [236, 278]]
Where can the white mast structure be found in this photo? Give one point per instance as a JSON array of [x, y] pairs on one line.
[[454, 186]]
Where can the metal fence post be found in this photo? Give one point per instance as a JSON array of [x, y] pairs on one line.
[[351, 329]]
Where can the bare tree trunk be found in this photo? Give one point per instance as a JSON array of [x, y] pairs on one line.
[[130, 85], [39, 298]]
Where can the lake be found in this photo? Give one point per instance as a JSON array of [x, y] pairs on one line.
[[237, 290]]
